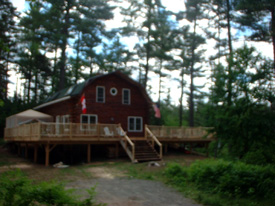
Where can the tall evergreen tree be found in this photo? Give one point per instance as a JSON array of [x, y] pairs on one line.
[[259, 16], [8, 30], [34, 65], [195, 11], [139, 19], [163, 37], [77, 20]]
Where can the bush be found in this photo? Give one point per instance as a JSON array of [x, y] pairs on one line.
[[16, 189], [176, 174], [224, 177]]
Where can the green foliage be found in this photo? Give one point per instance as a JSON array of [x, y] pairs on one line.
[[226, 178], [16, 189]]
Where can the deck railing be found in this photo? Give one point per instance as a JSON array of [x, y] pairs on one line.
[[162, 132], [127, 144], [150, 137], [45, 131]]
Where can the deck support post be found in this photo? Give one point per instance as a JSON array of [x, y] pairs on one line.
[[35, 153], [18, 149], [48, 149], [117, 150], [206, 147], [47, 157], [88, 153], [165, 148], [26, 150], [191, 147]]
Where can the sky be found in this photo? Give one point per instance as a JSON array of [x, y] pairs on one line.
[[175, 6]]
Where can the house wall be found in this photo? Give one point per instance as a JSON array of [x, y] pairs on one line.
[[112, 111]]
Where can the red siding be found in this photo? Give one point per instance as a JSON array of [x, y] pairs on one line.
[[112, 111]]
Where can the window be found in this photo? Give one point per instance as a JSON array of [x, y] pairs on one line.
[[100, 94], [113, 91], [135, 124], [126, 96], [87, 121]]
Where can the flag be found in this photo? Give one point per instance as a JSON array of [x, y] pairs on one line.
[[83, 103], [157, 110]]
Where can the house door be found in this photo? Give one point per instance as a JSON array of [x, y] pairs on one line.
[[135, 124]]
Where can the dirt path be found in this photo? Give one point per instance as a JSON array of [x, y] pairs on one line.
[[132, 192], [116, 189]]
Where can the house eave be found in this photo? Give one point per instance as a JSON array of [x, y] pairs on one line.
[[52, 102]]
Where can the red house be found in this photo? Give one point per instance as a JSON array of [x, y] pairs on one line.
[[109, 109], [112, 98]]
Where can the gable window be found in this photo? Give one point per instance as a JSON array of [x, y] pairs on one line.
[[100, 94], [87, 121], [135, 124], [126, 96]]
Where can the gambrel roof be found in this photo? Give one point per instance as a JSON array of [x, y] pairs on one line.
[[76, 90]]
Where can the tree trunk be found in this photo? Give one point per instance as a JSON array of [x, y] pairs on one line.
[[65, 33], [181, 98], [191, 100], [229, 86], [273, 34], [148, 48]]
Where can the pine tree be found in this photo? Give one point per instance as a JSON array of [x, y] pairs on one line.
[[8, 30], [139, 19], [33, 65], [194, 13], [259, 16]]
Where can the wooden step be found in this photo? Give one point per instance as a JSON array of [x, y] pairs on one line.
[[144, 152]]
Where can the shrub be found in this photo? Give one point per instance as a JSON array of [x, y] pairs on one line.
[[176, 174], [224, 177], [16, 189]]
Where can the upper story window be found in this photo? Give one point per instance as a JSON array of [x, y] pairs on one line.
[[126, 96], [100, 94]]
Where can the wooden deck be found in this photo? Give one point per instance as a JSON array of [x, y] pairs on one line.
[[51, 134], [181, 134]]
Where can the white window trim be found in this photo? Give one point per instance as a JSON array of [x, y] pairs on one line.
[[124, 89], [58, 121], [89, 128], [135, 130], [103, 94], [64, 117]]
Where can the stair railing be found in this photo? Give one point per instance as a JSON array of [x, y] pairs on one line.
[[153, 139], [127, 144]]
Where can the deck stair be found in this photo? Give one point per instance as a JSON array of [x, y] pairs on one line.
[[144, 151]]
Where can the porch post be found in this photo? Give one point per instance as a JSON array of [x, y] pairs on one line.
[[18, 149], [35, 153], [47, 153], [165, 148], [26, 150], [117, 150]]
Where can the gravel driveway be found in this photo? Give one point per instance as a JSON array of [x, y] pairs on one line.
[[132, 192]]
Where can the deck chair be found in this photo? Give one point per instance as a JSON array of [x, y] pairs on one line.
[[107, 132], [120, 132]]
